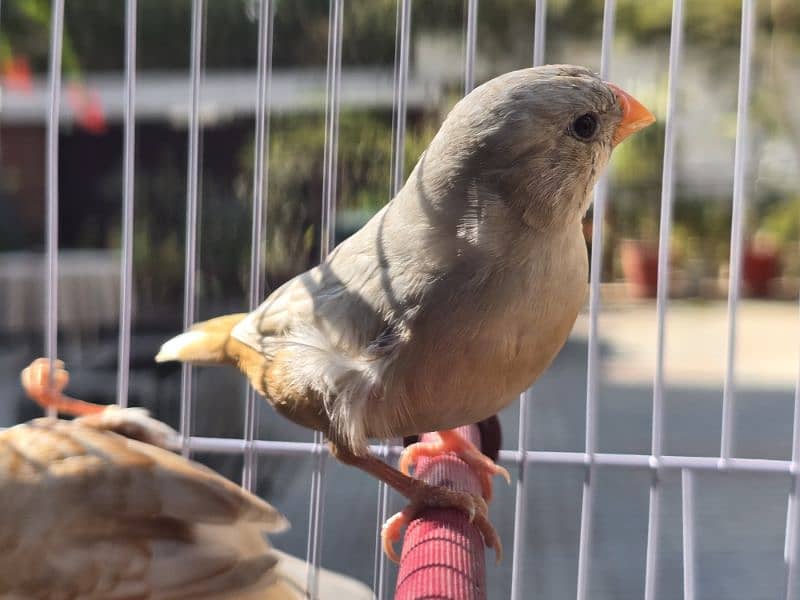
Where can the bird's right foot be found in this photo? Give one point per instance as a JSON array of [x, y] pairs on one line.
[[450, 441]]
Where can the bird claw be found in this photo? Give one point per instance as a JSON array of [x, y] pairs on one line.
[[435, 496], [391, 532], [44, 385], [490, 536], [451, 441], [36, 378]]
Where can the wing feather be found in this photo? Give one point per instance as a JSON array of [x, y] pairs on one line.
[[95, 515]]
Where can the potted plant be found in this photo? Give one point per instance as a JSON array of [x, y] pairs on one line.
[[639, 262], [772, 252]]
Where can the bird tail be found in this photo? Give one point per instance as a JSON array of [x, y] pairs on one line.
[[204, 343]]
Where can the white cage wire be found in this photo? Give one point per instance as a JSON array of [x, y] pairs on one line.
[[590, 459]]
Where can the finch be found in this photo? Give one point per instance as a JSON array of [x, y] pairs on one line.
[[91, 512], [454, 297]]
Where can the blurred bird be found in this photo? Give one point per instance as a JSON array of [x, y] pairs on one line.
[[90, 513], [453, 298]]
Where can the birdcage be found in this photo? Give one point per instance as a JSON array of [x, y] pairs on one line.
[[657, 514]]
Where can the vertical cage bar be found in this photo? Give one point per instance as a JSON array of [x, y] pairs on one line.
[[790, 549], [51, 240], [584, 539], [539, 32], [397, 174], [687, 508], [518, 586], [470, 45], [792, 535], [665, 227], [128, 174], [526, 398], [596, 274], [1, 145], [653, 530], [192, 201], [399, 102], [329, 176], [379, 583], [260, 199], [737, 224], [662, 295], [601, 193], [333, 88]]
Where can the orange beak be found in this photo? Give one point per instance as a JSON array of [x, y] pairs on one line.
[[634, 115]]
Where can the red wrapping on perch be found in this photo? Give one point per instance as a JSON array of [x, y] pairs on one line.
[[443, 554]]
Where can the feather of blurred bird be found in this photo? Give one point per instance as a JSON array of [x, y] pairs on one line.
[[91, 513]]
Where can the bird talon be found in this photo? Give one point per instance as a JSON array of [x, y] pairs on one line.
[[390, 533], [482, 506], [490, 536], [450, 441], [427, 495], [411, 454], [36, 377], [47, 392]]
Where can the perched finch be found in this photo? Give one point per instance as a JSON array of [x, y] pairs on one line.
[[90, 513], [454, 297]]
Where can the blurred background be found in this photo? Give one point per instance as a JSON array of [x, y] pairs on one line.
[[740, 518]]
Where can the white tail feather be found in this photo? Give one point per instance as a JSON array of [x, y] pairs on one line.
[[193, 346]]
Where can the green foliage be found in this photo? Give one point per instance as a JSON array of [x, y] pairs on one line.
[[294, 192], [26, 32], [297, 146], [703, 226], [94, 28], [94, 41], [158, 247], [635, 175], [782, 221]]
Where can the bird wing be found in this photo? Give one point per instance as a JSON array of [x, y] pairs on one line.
[[95, 515], [368, 284], [329, 298], [338, 327]]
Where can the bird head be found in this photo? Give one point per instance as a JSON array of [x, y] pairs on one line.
[[537, 139]]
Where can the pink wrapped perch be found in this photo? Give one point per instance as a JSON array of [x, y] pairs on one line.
[[443, 554]]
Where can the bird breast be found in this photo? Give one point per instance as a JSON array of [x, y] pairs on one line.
[[474, 349]]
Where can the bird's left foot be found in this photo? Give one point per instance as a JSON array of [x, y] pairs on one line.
[[46, 392], [451, 441]]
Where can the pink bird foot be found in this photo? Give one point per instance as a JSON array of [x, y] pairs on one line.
[[434, 496], [451, 441], [36, 382]]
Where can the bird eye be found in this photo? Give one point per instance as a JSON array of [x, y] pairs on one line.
[[585, 126]]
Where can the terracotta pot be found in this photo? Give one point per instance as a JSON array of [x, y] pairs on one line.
[[640, 266], [759, 267]]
